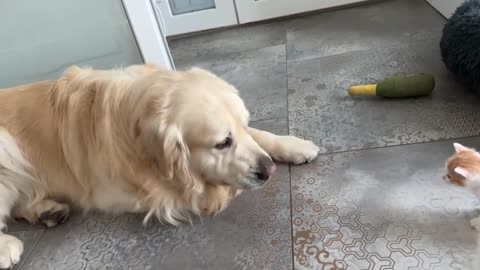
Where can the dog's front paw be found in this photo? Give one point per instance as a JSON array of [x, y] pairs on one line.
[[10, 251], [475, 223], [295, 150]]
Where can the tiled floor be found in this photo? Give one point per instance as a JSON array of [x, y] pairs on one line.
[[374, 199]]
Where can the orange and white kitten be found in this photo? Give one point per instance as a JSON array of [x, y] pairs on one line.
[[463, 169]]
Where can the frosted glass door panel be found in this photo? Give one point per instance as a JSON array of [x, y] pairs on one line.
[[39, 39], [186, 6]]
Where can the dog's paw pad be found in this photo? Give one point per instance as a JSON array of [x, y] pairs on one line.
[[55, 216]]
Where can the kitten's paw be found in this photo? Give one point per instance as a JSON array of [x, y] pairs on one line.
[[10, 251], [475, 223], [295, 150]]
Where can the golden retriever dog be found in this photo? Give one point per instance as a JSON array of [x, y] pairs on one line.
[[140, 139]]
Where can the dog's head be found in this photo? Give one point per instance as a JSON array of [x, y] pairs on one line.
[[197, 126]]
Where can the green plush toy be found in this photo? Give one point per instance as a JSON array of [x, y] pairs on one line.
[[397, 87]]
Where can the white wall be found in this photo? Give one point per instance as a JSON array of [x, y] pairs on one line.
[[445, 7]]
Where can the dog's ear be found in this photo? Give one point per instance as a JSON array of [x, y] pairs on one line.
[[176, 157], [175, 152], [161, 138]]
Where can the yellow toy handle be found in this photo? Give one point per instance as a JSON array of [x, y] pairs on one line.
[[363, 90]]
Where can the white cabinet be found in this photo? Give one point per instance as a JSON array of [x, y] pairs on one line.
[[257, 10], [184, 16]]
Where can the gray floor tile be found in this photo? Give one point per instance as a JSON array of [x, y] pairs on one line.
[[217, 44], [29, 239], [320, 108], [253, 233], [22, 225], [377, 25], [259, 75], [383, 208]]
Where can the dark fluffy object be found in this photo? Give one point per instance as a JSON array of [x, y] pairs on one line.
[[460, 44]]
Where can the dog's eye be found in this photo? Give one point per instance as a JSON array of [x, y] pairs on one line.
[[448, 176], [224, 144]]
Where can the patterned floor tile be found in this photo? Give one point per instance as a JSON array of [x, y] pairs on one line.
[[253, 233], [375, 25], [320, 108], [383, 208], [259, 75]]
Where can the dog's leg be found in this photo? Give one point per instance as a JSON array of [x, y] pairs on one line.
[[49, 212], [13, 176], [285, 148], [11, 248]]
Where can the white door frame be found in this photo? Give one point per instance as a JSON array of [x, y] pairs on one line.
[[222, 15], [252, 10], [148, 33]]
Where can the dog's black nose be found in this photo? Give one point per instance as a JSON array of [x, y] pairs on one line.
[[266, 168]]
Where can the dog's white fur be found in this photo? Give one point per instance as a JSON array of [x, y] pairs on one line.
[[139, 139]]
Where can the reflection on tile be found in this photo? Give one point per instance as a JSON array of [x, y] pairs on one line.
[[320, 108], [29, 239], [376, 25], [382, 209], [220, 43], [259, 75], [253, 233]]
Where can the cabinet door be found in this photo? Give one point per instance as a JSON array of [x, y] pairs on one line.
[[184, 16], [257, 10]]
